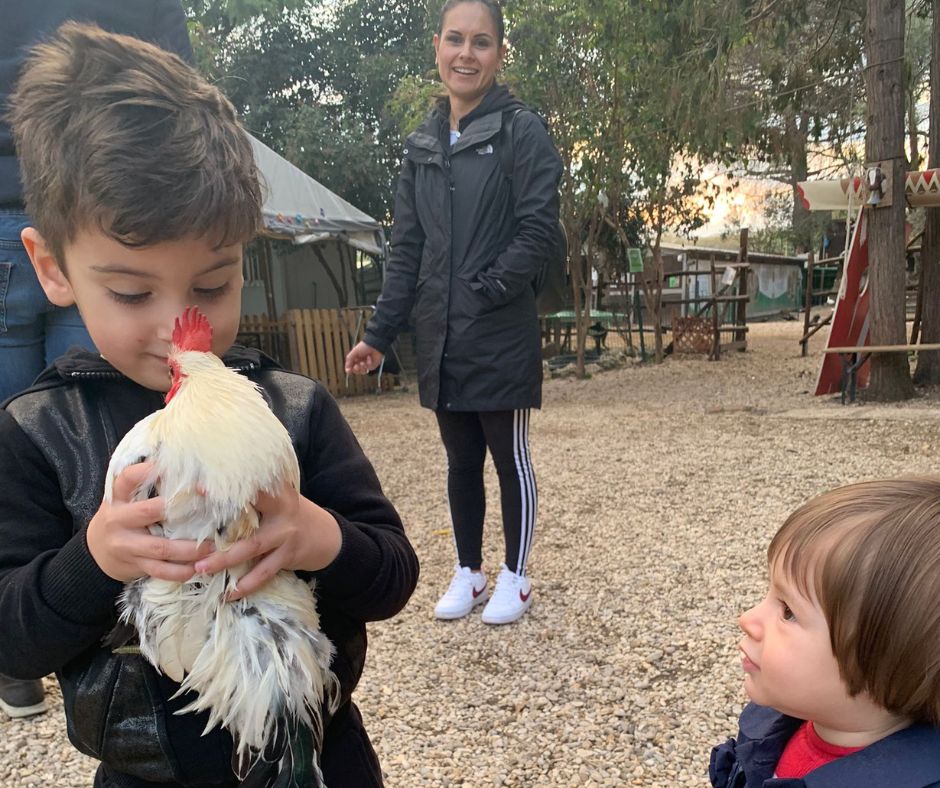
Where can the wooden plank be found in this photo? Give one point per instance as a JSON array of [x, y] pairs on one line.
[[350, 338], [722, 299], [326, 346], [821, 324], [351, 319], [883, 348], [807, 302], [313, 366], [295, 339], [740, 312], [715, 355], [340, 341], [330, 332], [312, 328], [323, 349]]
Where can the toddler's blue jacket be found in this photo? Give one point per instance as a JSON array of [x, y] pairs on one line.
[[907, 759]]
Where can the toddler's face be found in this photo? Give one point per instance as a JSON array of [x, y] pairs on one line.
[[787, 656], [129, 297]]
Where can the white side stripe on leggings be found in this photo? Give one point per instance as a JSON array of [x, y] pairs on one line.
[[527, 488]]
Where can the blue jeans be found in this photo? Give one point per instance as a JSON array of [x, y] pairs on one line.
[[33, 332]]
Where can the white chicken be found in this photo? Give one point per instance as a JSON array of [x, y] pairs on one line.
[[260, 665]]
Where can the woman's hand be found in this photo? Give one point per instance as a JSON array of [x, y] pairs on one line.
[[362, 359]]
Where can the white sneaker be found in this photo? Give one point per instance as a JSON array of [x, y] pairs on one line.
[[511, 598], [466, 591]]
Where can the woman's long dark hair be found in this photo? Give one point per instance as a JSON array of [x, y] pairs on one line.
[[496, 12]]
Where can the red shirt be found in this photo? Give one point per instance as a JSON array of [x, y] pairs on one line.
[[806, 751]]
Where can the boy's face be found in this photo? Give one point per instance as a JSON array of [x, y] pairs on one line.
[[788, 660], [129, 298]]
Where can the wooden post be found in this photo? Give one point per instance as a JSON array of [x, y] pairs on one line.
[[807, 300], [638, 308], [716, 339], [741, 311], [919, 303]]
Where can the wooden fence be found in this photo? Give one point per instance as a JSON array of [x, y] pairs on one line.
[[315, 342]]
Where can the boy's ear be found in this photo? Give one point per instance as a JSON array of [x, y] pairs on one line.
[[51, 276]]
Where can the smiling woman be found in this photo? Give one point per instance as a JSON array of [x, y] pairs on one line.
[[469, 51], [470, 236]]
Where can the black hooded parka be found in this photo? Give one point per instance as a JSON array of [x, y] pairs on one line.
[[467, 242]]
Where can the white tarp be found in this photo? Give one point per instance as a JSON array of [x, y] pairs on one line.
[[295, 204]]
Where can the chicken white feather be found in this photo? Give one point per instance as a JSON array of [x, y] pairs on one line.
[[259, 665]]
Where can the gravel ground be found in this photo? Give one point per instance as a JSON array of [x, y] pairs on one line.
[[660, 489]]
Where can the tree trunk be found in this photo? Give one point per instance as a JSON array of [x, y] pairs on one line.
[[576, 263], [802, 220], [928, 364], [656, 300], [884, 142]]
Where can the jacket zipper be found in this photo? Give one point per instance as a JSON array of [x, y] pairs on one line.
[[107, 374]]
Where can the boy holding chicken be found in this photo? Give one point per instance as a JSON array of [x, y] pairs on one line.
[[143, 189]]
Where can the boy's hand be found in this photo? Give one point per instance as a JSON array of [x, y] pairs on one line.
[[122, 546], [295, 533], [362, 359]]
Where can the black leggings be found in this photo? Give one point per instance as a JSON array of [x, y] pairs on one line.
[[466, 437]]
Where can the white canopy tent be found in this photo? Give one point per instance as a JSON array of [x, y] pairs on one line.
[[320, 269]]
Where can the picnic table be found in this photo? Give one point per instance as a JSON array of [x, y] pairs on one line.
[[562, 323]]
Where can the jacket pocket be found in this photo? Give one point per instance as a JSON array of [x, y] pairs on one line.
[[474, 300], [112, 715]]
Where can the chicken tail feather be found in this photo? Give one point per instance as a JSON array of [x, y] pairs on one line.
[[264, 675], [289, 761]]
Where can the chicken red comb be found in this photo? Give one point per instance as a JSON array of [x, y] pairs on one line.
[[192, 331]]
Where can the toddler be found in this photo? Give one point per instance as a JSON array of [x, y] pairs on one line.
[[840, 657]]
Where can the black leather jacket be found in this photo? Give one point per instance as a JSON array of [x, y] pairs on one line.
[[56, 604]]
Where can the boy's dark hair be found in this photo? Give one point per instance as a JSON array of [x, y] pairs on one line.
[[496, 13], [869, 554], [116, 134]]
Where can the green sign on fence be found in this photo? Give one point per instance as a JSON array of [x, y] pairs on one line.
[[635, 258]]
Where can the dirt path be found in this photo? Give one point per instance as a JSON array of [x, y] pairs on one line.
[[660, 488]]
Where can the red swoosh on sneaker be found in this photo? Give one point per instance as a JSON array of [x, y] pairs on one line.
[[525, 597], [482, 589]]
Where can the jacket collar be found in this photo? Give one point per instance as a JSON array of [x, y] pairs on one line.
[[763, 734], [478, 130], [481, 124], [79, 363], [428, 135], [909, 758]]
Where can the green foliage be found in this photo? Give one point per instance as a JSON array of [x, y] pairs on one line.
[[412, 100], [793, 95], [637, 93], [622, 84], [314, 80]]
